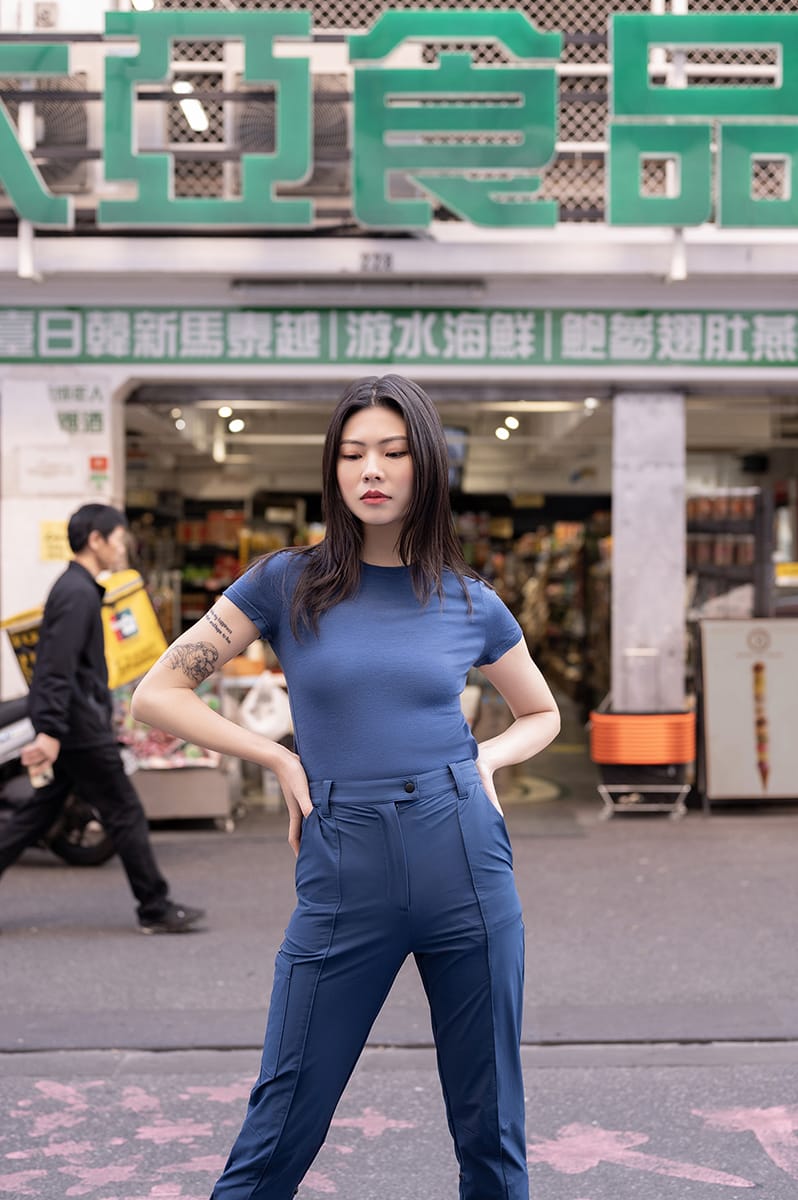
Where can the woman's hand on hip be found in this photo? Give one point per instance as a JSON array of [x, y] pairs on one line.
[[486, 770], [293, 781]]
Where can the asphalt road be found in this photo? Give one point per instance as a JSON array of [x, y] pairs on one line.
[[661, 1025]]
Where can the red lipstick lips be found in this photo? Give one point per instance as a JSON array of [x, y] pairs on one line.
[[374, 496]]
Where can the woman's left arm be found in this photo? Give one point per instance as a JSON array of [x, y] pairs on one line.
[[537, 719]]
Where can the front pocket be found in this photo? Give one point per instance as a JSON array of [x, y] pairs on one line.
[[278, 1006]]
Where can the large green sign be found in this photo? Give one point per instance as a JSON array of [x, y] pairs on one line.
[[472, 137], [403, 337]]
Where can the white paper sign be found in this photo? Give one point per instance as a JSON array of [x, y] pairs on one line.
[[750, 674]]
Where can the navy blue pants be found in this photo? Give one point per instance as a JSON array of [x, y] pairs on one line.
[[387, 868]]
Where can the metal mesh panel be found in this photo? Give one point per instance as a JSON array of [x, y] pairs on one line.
[[770, 178], [183, 51], [575, 178], [655, 177], [578, 183], [178, 129], [193, 177]]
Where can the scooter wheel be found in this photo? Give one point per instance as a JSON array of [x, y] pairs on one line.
[[81, 839]]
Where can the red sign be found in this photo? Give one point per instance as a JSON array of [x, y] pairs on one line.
[[98, 462]]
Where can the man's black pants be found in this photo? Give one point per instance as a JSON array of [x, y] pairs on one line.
[[98, 775]]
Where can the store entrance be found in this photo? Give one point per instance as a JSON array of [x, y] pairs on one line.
[[218, 475]]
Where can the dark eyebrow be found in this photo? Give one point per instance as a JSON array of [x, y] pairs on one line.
[[397, 437]]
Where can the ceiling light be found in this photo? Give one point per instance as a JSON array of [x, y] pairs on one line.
[[193, 111], [591, 403], [511, 422], [180, 423], [502, 433], [225, 411], [143, 5], [236, 425], [175, 413]]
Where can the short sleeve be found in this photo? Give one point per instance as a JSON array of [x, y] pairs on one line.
[[502, 631], [259, 594]]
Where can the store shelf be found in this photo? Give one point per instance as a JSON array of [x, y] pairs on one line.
[[747, 541], [733, 572]]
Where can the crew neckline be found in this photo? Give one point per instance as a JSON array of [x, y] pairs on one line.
[[374, 567]]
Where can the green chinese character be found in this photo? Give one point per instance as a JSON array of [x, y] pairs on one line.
[[652, 121], [19, 174], [69, 421], [92, 422], [260, 173], [437, 125]]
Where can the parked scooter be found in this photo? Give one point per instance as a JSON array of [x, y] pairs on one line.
[[78, 835]]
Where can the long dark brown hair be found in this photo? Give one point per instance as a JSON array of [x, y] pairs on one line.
[[428, 544]]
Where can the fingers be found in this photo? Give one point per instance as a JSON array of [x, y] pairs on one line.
[[294, 834]]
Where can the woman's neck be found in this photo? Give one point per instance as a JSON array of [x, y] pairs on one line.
[[380, 546]]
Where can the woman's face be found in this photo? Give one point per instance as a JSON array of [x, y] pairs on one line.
[[375, 472]]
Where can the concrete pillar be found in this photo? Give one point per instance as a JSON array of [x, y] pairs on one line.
[[648, 552]]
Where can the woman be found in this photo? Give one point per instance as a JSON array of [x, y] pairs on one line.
[[392, 809]]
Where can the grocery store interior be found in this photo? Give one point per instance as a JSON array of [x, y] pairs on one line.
[[217, 474]]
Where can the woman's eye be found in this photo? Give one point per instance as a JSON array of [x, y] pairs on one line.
[[350, 457], [397, 454]]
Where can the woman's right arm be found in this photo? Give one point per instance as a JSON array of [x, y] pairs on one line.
[[165, 698]]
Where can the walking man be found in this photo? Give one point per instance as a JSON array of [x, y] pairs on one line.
[[71, 708]]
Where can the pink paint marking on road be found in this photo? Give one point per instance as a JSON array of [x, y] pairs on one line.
[[53, 1090], [163, 1132], [67, 1149], [92, 1178], [316, 1182], [17, 1154], [372, 1124], [136, 1100], [207, 1162], [230, 1094], [774, 1128], [16, 1184], [47, 1123], [342, 1149], [73, 1112], [162, 1191], [580, 1148]]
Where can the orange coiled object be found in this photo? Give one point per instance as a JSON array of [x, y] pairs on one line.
[[640, 738]]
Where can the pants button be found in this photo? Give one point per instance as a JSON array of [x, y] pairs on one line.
[[410, 787]]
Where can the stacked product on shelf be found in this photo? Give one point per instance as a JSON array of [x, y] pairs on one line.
[[563, 651], [729, 552]]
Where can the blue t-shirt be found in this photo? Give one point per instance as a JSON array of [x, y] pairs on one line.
[[377, 693]]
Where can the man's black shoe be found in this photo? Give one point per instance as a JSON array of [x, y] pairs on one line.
[[176, 918]]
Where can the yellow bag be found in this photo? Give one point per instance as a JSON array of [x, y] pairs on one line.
[[133, 638], [23, 634]]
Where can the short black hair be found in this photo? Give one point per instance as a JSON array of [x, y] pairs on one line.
[[100, 517]]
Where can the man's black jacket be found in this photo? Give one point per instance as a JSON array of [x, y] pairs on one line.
[[69, 697]]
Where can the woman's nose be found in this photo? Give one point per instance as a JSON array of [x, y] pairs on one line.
[[371, 469]]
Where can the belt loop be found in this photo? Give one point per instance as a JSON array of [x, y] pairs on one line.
[[324, 801], [458, 775]]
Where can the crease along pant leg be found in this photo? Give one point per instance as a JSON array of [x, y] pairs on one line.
[[474, 997], [471, 961], [332, 974]]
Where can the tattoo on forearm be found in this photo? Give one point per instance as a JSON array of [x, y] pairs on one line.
[[197, 660], [218, 625]]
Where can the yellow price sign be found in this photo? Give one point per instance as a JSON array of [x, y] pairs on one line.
[[53, 542]]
